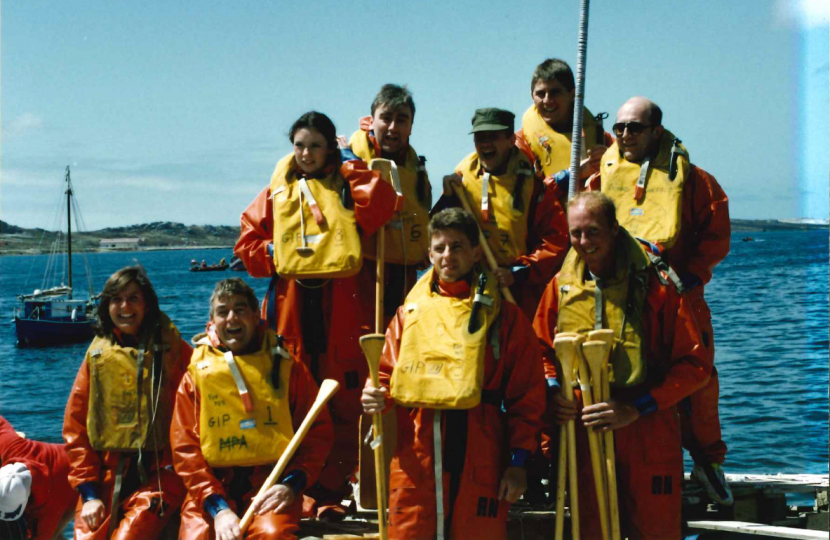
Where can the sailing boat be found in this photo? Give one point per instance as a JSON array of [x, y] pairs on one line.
[[52, 316]]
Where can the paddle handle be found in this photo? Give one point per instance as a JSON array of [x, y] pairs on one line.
[[379, 283], [327, 390], [488, 253]]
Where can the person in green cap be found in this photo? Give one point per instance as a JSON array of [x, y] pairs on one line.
[[520, 216]]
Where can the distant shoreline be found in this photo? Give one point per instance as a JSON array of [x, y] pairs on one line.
[[170, 236], [17, 253]]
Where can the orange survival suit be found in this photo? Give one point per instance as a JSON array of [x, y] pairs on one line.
[[478, 443], [52, 499], [648, 452], [703, 242], [546, 232], [321, 321], [398, 278], [213, 489], [146, 506]]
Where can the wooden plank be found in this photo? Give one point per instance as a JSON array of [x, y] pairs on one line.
[[781, 483], [744, 527]]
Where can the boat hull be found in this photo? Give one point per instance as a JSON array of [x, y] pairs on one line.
[[46, 333]]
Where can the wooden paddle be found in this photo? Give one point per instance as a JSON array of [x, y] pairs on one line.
[[595, 352], [327, 389], [372, 345], [488, 253], [607, 336], [567, 348]]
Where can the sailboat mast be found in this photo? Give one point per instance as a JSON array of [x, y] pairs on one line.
[[69, 226]]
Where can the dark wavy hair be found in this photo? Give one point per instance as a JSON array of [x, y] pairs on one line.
[[117, 283], [553, 69], [320, 122]]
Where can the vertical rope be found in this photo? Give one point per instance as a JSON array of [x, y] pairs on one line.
[[576, 135]]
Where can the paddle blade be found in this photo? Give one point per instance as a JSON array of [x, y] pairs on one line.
[[605, 335], [372, 345], [384, 166], [327, 389]]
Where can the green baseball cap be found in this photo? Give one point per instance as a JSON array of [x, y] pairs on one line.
[[492, 119]]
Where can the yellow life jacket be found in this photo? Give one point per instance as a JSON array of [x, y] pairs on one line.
[[315, 205], [649, 204], [623, 301], [441, 365], [230, 434], [551, 148], [128, 394], [406, 237], [507, 201]]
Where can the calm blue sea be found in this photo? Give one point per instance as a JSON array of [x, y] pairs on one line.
[[769, 302]]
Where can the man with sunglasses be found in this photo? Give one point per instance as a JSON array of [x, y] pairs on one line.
[[683, 212]]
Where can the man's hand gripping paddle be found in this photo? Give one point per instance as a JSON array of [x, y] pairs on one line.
[[327, 389]]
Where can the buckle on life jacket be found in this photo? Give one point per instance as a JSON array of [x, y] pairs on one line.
[[676, 152], [478, 300]]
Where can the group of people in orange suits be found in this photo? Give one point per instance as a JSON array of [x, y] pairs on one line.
[[476, 288]]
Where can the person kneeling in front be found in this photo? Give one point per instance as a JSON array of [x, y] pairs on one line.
[[457, 356], [236, 410]]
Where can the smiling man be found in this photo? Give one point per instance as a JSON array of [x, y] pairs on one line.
[[547, 126], [456, 353], [236, 410], [520, 216], [658, 360], [385, 134], [680, 208]]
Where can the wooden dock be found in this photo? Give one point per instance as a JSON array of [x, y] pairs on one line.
[[760, 509]]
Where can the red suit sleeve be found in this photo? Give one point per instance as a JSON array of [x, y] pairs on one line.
[[683, 363], [548, 241], [524, 395], [705, 229], [375, 200], [312, 452], [255, 236], [84, 462]]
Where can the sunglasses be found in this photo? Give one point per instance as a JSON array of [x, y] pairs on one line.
[[634, 128]]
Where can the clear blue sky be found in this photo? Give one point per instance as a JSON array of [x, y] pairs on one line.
[[178, 111]]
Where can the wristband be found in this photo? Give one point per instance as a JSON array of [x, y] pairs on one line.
[[214, 504], [518, 457], [88, 491], [645, 404], [296, 480]]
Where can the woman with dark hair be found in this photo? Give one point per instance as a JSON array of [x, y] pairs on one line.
[[117, 419], [304, 231]]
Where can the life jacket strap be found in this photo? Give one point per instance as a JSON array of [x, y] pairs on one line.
[[311, 201], [423, 195], [485, 197], [396, 178], [598, 303], [524, 172], [437, 453], [116, 494], [240, 382], [640, 188]]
